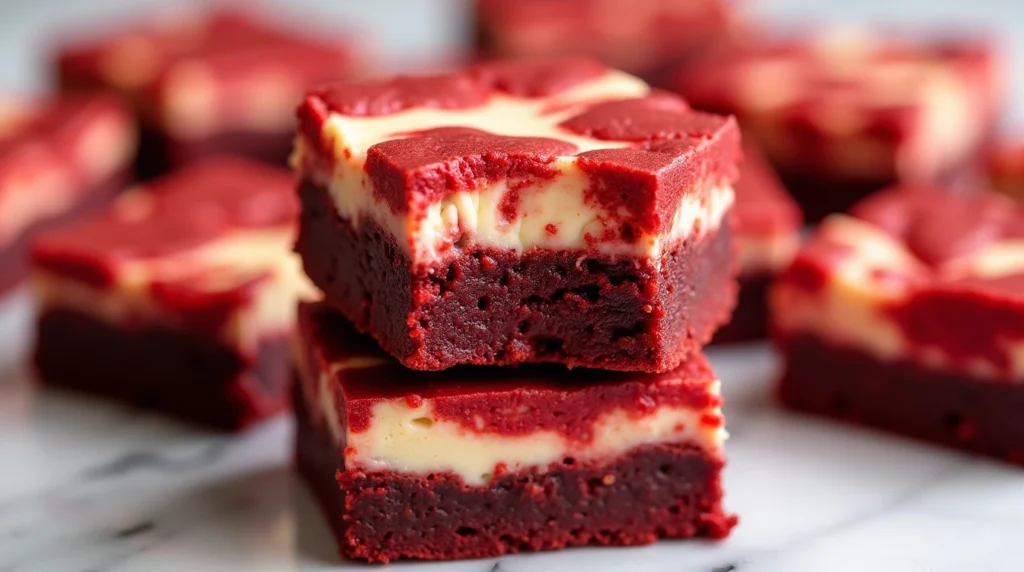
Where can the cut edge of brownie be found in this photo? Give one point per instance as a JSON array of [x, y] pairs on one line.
[[532, 308]]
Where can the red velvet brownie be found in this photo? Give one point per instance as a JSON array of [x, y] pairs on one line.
[[475, 462], [519, 212], [909, 315], [59, 160], [767, 222], [181, 297], [206, 83], [1005, 165], [644, 37], [846, 112]]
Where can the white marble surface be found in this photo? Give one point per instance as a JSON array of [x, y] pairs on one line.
[[87, 486]]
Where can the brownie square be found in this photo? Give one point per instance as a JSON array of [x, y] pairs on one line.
[[908, 315], [60, 159], [219, 81], [643, 37], [477, 462], [543, 211], [845, 112], [180, 297]]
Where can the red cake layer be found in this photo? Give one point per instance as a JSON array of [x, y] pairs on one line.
[[481, 399], [973, 414], [642, 37], [194, 378], [222, 80], [657, 491], [494, 307]]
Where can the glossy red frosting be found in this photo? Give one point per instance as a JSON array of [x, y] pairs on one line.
[[507, 401]]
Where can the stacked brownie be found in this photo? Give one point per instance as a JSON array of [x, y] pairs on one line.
[[535, 214]]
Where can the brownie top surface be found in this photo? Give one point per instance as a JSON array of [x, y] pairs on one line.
[[380, 376], [228, 41], [938, 226], [181, 211], [420, 139]]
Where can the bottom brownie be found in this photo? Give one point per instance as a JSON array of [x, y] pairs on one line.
[[655, 491], [13, 255], [976, 415], [194, 378], [750, 318]]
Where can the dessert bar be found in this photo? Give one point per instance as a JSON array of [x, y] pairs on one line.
[[846, 112], [476, 462], [644, 37], [767, 222], [206, 82], [181, 297], [908, 315], [59, 160], [550, 210]]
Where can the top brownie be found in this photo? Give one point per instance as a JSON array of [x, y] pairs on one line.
[[560, 163], [915, 275]]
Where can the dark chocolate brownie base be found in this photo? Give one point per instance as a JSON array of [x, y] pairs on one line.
[[13, 256], [970, 414], [194, 378], [656, 491], [750, 319], [495, 307], [158, 154]]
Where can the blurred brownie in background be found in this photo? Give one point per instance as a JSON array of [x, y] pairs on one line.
[[206, 83], [642, 37], [1005, 168], [908, 315], [767, 228], [845, 112], [59, 160], [181, 297]]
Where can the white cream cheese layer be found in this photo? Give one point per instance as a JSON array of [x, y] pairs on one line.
[[410, 439]]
